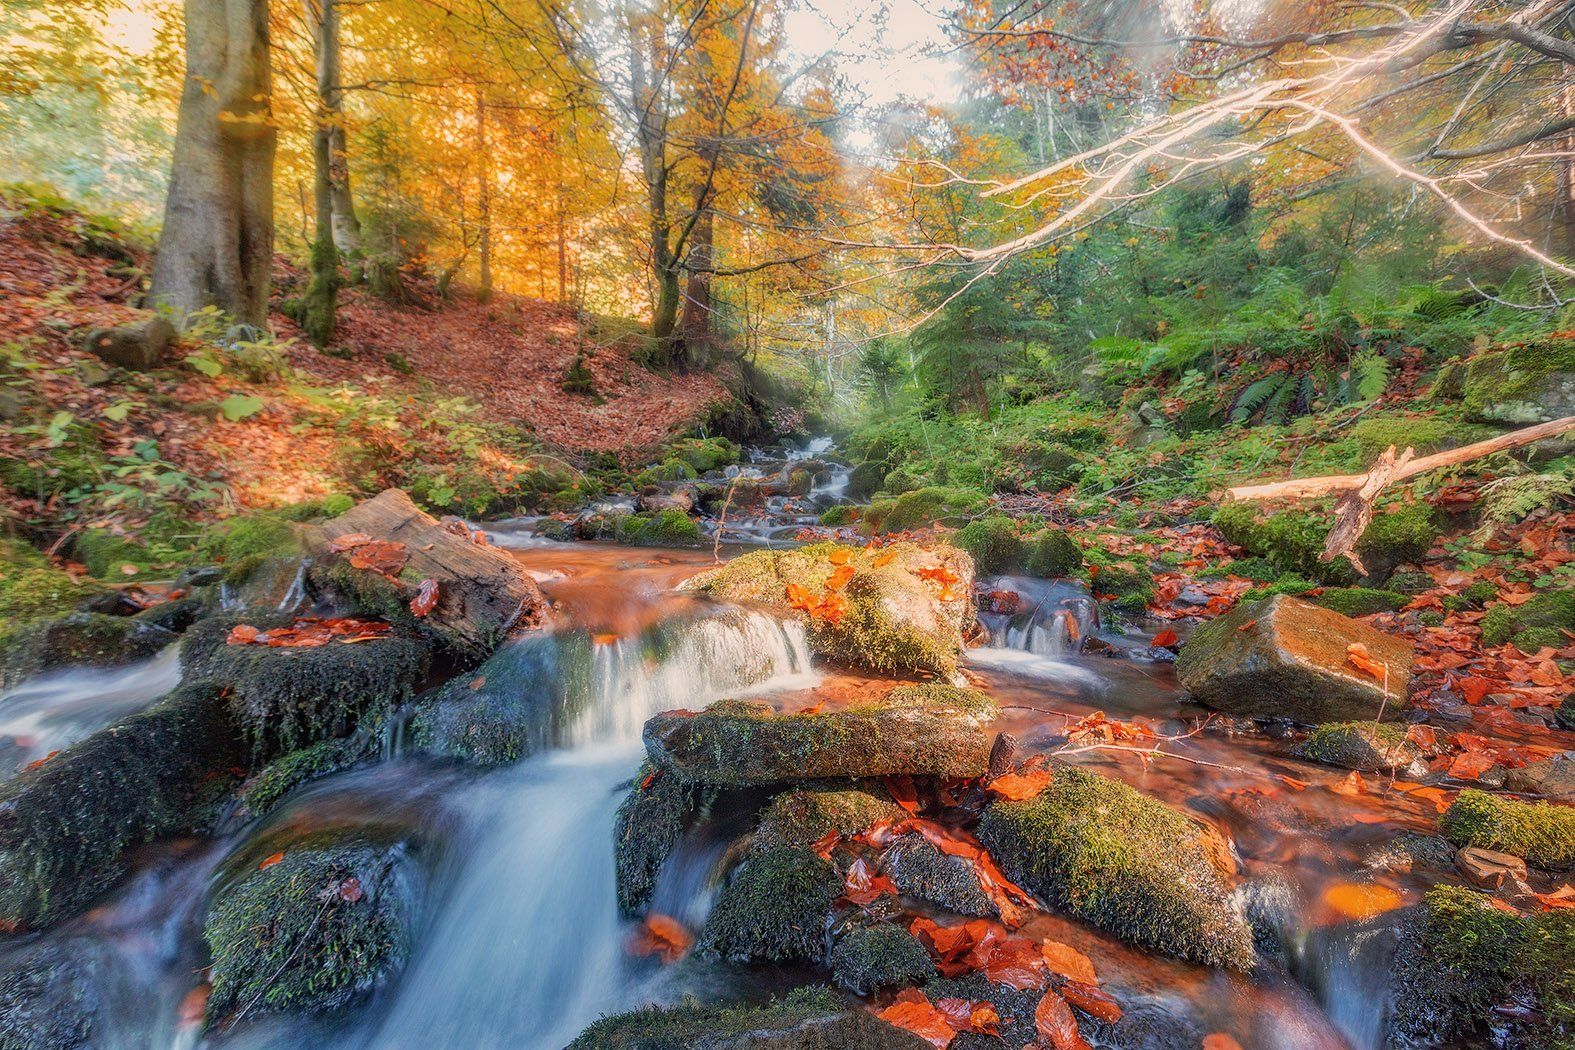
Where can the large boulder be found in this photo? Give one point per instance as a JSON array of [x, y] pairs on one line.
[[1540, 833], [647, 827], [1123, 861], [1456, 959], [139, 348], [313, 929], [1284, 657], [807, 1019], [83, 639], [66, 825], [928, 730], [1534, 383], [903, 609]]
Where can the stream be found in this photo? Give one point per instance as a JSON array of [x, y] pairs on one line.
[[519, 943]]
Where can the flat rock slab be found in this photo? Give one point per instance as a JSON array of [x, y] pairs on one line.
[[737, 743], [1283, 657]]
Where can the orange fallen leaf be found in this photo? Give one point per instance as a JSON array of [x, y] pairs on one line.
[[838, 556], [913, 1012], [604, 638], [1357, 656], [1057, 1025], [270, 860], [1164, 639], [1094, 1002], [1469, 765], [1360, 900], [1220, 1041], [1016, 787], [1351, 785], [1068, 962], [884, 559], [662, 936], [1563, 897]]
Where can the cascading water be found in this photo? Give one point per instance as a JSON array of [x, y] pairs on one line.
[[1045, 617]]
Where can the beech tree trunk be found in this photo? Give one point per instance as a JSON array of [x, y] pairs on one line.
[[322, 293], [216, 247], [484, 196]]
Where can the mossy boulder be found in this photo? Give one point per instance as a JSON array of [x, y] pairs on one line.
[[298, 768], [1554, 609], [799, 482], [1391, 539], [80, 639], [773, 908], [1291, 541], [649, 822], [1052, 554], [315, 930], [1424, 433], [285, 698], [1531, 383], [243, 544], [1456, 959], [931, 505], [867, 958], [1123, 861], [805, 815], [138, 348], [921, 870], [994, 544], [667, 471], [1540, 833], [705, 454], [664, 528], [66, 825], [108, 555], [838, 516], [737, 743], [1359, 601], [1124, 582], [506, 709], [865, 479], [1285, 657], [50, 998], [807, 1019], [1366, 746], [1550, 975], [32, 589], [899, 617]]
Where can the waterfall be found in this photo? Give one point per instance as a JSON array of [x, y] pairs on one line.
[[1044, 617]]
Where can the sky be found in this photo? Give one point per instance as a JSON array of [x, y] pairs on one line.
[[887, 48]]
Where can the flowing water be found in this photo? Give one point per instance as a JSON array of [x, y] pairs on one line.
[[519, 943]]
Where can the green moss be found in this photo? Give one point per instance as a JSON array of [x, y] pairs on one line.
[[938, 697], [1430, 618], [920, 870], [867, 958], [1259, 570], [1397, 537], [31, 589], [1424, 433], [802, 1021], [666, 528], [994, 544], [315, 509], [1532, 639], [284, 699], [1506, 386], [865, 479], [903, 480], [1291, 541], [105, 553], [803, 816], [292, 936], [1551, 976], [650, 820], [669, 470], [835, 517], [1541, 833], [705, 454], [1549, 609], [1052, 554], [66, 825], [1359, 601], [924, 506], [579, 379], [1456, 958], [1473, 597], [80, 639], [283, 775], [1128, 584], [800, 482], [1359, 745], [773, 908], [1123, 861], [243, 544]]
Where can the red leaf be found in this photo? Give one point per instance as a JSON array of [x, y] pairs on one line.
[[1015, 787], [1220, 1041], [916, 1015], [1068, 962], [903, 793], [1357, 656], [1164, 639], [1057, 1025], [350, 890], [242, 634], [1100, 1005], [661, 936], [426, 598], [270, 860], [1469, 765]]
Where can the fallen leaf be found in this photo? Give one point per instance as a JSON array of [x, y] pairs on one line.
[[1360, 900], [1164, 639], [1068, 962], [1056, 1024], [350, 890], [1220, 1041], [426, 598], [270, 860], [1016, 787], [1351, 785], [1563, 897], [662, 936], [1469, 765], [1357, 656], [1094, 1002], [917, 1015]]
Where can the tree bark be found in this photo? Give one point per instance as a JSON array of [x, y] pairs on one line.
[[322, 293], [697, 293], [484, 199], [216, 247]]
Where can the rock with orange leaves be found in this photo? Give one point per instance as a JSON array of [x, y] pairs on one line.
[[1284, 657]]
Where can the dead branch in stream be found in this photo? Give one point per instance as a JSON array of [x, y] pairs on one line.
[[1360, 491]]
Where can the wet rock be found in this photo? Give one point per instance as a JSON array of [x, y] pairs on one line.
[[1542, 833], [502, 711], [299, 768], [807, 1019], [1411, 852], [269, 586], [81, 639], [138, 348], [896, 619], [920, 870], [1014, 1007], [867, 958], [1456, 957], [681, 500], [649, 823], [774, 907], [315, 930], [1489, 869], [865, 479], [1552, 777], [804, 816], [176, 615], [799, 482], [284, 699], [66, 825], [1366, 746], [925, 730], [1123, 861], [50, 1000], [1286, 657]]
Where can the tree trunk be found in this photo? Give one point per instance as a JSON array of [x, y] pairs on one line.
[[697, 294], [216, 248], [484, 198], [317, 315]]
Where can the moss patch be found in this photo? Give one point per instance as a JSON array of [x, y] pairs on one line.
[[298, 768], [993, 542], [1511, 385], [774, 908], [81, 639], [1359, 745], [1122, 861], [867, 958], [1359, 601], [1052, 554], [806, 815], [920, 870], [934, 505], [1455, 961], [1540, 833], [665, 528], [807, 1019], [1550, 609], [31, 589], [1401, 535], [649, 822]]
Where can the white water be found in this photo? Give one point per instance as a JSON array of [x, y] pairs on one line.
[[527, 948], [54, 711]]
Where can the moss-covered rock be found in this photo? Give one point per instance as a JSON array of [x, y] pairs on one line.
[[865, 479], [85, 639], [1123, 861], [774, 907], [1402, 535], [705, 454], [665, 528], [284, 699], [667, 471], [899, 616], [1476, 596], [507, 708], [921, 870], [1550, 974], [932, 505], [1549, 609], [312, 931], [106, 554], [1531, 383], [1367, 746], [1455, 961], [993, 542], [650, 820], [1424, 433], [66, 825], [1126, 583], [31, 589], [867, 958], [838, 516], [1052, 554], [799, 482], [805, 815], [50, 999], [1285, 657], [738, 743], [1359, 601], [1291, 541], [243, 544], [283, 775], [1540, 833], [807, 1019]]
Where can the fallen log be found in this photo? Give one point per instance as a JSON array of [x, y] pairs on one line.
[[1358, 492], [482, 594]]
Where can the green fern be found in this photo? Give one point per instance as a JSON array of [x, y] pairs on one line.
[[1256, 396], [1511, 500], [1369, 376]]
